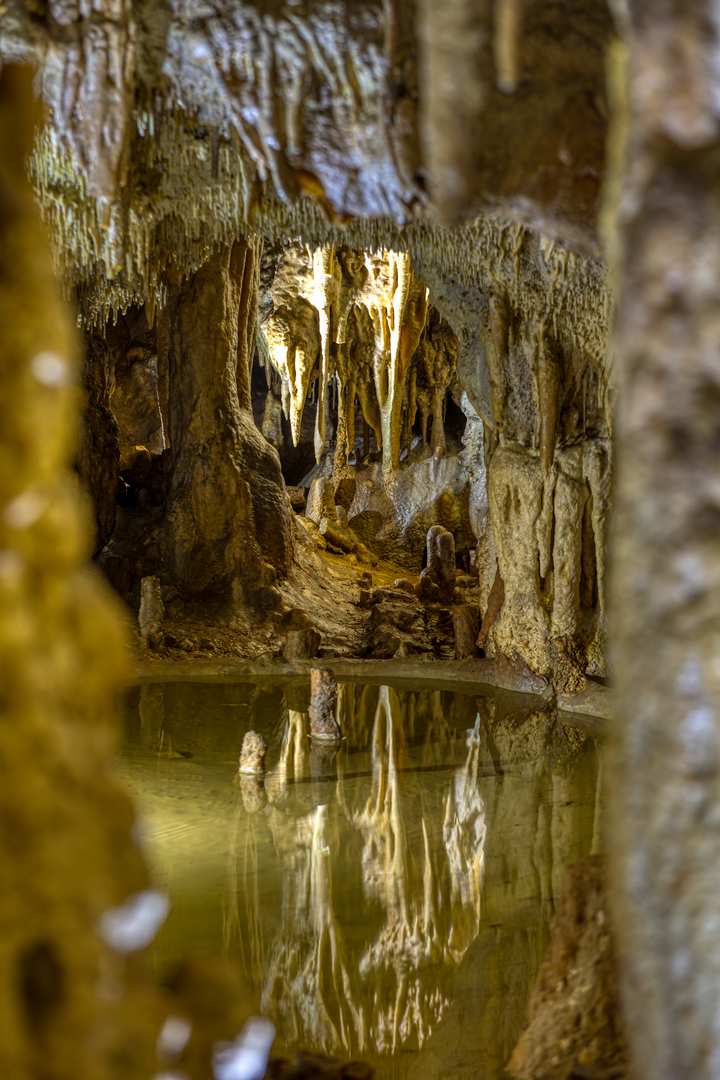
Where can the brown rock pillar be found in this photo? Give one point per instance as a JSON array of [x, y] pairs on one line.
[[229, 521], [665, 777], [323, 706]]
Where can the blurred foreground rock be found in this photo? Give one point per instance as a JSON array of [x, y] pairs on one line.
[[575, 1028]]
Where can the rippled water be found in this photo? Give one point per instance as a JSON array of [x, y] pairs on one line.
[[390, 899]]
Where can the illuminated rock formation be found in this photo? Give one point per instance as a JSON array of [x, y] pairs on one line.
[[378, 329], [362, 321], [528, 347]]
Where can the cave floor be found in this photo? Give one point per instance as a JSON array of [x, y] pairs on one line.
[[358, 640], [386, 899]]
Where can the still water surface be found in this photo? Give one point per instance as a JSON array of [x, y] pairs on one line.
[[388, 900]]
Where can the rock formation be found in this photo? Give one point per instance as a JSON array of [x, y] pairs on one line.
[[227, 529], [253, 753], [324, 724], [70, 866], [152, 611]]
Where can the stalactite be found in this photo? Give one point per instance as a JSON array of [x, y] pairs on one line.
[[548, 390], [398, 332], [324, 295], [499, 331], [369, 315], [247, 267], [508, 18], [293, 343], [454, 37]]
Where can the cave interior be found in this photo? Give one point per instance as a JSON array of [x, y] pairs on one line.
[[325, 325]]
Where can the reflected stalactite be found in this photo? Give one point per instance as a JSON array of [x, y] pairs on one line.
[[242, 924], [430, 893], [464, 835], [366, 894], [418, 855], [308, 979]]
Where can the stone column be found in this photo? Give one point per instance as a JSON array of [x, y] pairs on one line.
[[665, 776], [229, 522]]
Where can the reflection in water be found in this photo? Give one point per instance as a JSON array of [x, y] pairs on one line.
[[388, 898]]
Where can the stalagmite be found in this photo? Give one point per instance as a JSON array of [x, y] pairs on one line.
[[323, 706], [439, 574], [152, 612], [253, 754]]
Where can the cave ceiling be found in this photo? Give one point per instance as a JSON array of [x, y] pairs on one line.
[[175, 127]]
